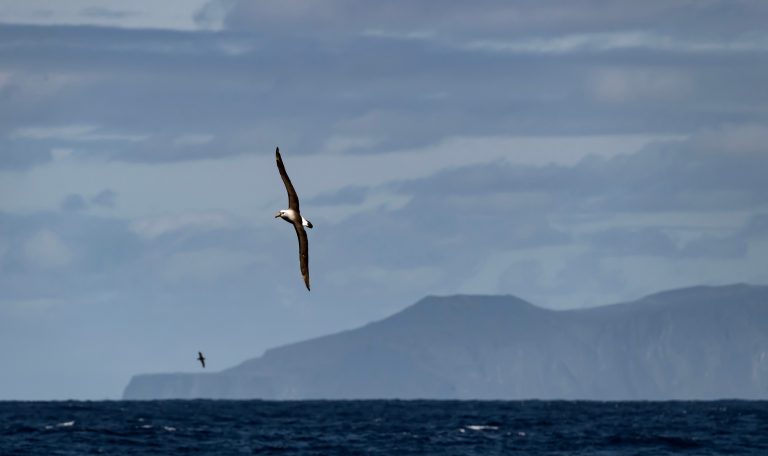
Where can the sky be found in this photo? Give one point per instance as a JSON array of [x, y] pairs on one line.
[[573, 154]]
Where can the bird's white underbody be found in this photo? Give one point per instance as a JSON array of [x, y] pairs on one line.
[[290, 216]]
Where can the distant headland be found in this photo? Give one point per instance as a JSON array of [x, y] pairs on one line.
[[693, 343]]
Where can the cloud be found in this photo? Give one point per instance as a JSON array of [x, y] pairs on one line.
[[70, 242], [73, 202], [734, 139], [105, 198], [757, 226], [354, 194], [72, 254], [633, 241], [213, 13], [153, 227], [105, 13], [343, 143], [665, 176], [143, 13], [359, 94], [633, 85], [431, 229], [45, 250], [494, 17], [192, 140], [615, 41], [204, 265], [716, 247], [735, 244], [461, 218], [72, 133], [19, 155]]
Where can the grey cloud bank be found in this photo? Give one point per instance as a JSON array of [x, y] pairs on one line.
[[493, 17], [244, 88]]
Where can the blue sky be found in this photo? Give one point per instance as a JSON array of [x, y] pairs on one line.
[[570, 153]]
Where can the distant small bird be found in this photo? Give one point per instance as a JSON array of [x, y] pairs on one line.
[[294, 217], [201, 358]]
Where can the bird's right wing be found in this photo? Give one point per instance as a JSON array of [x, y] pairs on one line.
[[293, 198], [303, 252]]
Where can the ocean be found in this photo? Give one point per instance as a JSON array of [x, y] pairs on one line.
[[203, 427]]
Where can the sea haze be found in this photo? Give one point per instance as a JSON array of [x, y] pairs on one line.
[[694, 343], [383, 427]]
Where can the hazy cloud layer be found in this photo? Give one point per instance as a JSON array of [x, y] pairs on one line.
[[703, 173]]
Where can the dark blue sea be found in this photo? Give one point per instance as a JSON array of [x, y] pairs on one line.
[[383, 428]]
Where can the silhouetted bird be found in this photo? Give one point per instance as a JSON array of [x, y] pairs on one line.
[[294, 217], [201, 358]]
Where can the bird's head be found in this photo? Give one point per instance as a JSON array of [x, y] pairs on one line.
[[279, 214]]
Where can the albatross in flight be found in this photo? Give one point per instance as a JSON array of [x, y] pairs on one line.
[[294, 217], [201, 358]]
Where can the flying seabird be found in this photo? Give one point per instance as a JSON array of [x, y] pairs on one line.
[[201, 358], [294, 217]]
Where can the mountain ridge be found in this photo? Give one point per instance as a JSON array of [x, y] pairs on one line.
[[677, 344]]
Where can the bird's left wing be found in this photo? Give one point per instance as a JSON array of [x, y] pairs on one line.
[[303, 252]]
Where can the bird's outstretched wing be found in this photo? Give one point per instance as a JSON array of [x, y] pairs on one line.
[[303, 252], [293, 198]]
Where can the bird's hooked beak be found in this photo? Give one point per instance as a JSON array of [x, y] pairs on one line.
[[278, 215]]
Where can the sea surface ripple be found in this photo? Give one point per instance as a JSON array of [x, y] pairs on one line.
[[204, 427]]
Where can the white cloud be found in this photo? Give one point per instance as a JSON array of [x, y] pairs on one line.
[[524, 150], [5, 78], [61, 153], [343, 143], [34, 86], [611, 41], [399, 35], [73, 133], [375, 276], [45, 250], [624, 85], [734, 139], [152, 227], [136, 14], [204, 264], [192, 139]]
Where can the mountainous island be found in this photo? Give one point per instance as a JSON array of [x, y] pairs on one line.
[[693, 343]]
